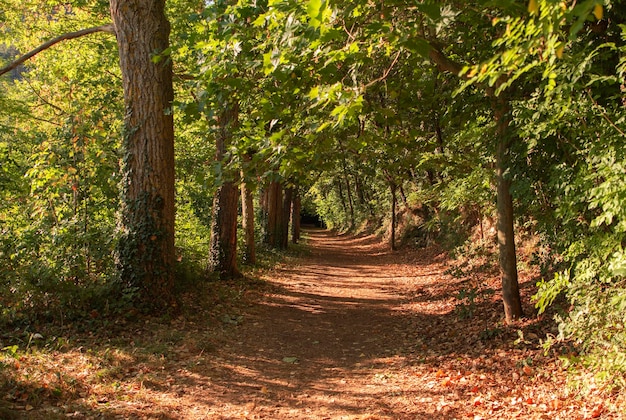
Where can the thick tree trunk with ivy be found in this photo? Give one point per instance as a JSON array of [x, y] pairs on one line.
[[505, 225], [145, 255], [223, 245]]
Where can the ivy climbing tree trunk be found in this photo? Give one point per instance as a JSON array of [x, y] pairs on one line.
[[145, 255], [223, 245]]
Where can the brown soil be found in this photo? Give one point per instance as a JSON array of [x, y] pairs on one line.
[[349, 330]]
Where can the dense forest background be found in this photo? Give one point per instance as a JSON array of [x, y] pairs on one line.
[[476, 124]]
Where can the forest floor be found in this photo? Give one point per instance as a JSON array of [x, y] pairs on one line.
[[346, 329]]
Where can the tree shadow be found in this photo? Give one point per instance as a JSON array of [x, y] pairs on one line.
[[332, 338]]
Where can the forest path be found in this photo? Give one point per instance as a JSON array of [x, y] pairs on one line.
[[330, 339], [347, 330], [353, 331]]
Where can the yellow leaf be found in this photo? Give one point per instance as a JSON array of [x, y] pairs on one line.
[[533, 7], [559, 52], [597, 11]]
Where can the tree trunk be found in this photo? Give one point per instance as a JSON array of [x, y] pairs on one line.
[[394, 202], [284, 218], [506, 236], [405, 201], [247, 210], [506, 233], [223, 245], [350, 201], [145, 255], [342, 197], [274, 212], [296, 208]]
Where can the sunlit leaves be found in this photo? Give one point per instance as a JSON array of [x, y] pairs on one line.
[[598, 11], [315, 10]]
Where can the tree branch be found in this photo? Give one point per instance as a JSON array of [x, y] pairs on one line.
[[71, 35], [444, 63], [385, 73]]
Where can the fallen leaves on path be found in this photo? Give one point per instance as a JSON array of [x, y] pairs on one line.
[[347, 330]]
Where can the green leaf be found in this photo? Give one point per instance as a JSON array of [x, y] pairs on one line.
[[431, 10]]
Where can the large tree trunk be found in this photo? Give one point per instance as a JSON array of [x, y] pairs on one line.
[[223, 245], [505, 224], [145, 255]]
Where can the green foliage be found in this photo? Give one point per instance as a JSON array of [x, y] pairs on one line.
[[571, 168], [342, 100]]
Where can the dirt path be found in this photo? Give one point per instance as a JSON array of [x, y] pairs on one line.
[[356, 332], [330, 340], [347, 331]]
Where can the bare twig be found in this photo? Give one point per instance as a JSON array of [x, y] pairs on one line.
[[385, 73], [71, 35], [604, 115]]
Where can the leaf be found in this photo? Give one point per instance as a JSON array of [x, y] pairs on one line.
[[559, 52], [533, 7], [598, 12], [431, 10], [291, 360], [313, 8]]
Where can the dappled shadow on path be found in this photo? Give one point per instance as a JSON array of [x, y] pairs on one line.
[[350, 330]]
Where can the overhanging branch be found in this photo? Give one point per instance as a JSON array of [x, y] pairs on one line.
[[444, 63], [71, 35]]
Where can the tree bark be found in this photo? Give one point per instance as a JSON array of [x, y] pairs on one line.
[[505, 225], [274, 211], [284, 218], [296, 208], [394, 202], [145, 255], [247, 211], [223, 245]]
